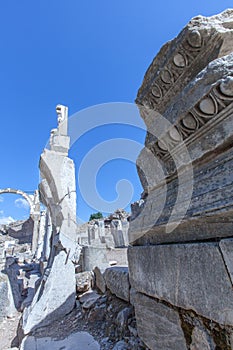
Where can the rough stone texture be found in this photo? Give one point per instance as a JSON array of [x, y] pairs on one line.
[[190, 276], [194, 192], [120, 345], [180, 60], [77, 341], [21, 230], [119, 255], [186, 101], [226, 246], [99, 279], [58, 187], [53, 299], [55, 239], [201, 340], [94, 256], [84, 281], [158, 326], [88, 299], [110, 232], [7, 306], [117, 280]]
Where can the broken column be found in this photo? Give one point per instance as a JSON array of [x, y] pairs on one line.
[[180, 259], [56, 295]]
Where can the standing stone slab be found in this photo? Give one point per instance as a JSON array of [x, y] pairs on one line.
[[52, 300], [7, 306], [190, 276], [117, 280], [99, 279], [158, 326]]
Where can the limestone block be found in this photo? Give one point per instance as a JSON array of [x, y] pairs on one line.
[[54, 298], [186, 101], [180, 60], [99, 279], [203, 190], [7, 306], [117, 280], [117, 233], [190, 276], [84, 281], [58, 191], [88, 299], [158, 326], [94, 256], [226, 246]]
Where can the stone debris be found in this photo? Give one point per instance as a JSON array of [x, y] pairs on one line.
[[52, 300], [88, 299], [84, 281], [117, 280]]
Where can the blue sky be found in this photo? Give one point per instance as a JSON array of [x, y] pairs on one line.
[[77, 53]]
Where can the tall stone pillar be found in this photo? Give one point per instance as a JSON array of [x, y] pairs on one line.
[[42, 230], [35, 215], [56, 295]]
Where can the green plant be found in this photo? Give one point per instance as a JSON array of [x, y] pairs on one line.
[[95, 216]]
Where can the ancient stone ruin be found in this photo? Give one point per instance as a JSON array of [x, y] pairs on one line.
[[75, 287], [180, 259]]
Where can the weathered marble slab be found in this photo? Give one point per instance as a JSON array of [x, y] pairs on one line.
[[158, 326], [209, 210], [203, 40], [195, 175], [190, 276], [54, 298], [117, 280]]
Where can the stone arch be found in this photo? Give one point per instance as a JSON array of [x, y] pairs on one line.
[[29, 198]]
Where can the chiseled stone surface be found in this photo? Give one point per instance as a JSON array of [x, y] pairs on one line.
[[158, 326], [99, 279], [54, 298], [190, 276], [117, 280], [58, 186], [7, 306], [181, 59], [226, 246], [186, 101]]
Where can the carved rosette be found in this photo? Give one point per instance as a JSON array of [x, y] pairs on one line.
[[183, 58], [202, 113]]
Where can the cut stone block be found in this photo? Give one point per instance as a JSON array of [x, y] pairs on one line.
[[190, 276], [158, 326], [117, 280], [54, 298], [99, 279], [226, 246]]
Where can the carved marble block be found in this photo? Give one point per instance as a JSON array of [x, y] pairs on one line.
[[186, 101]]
